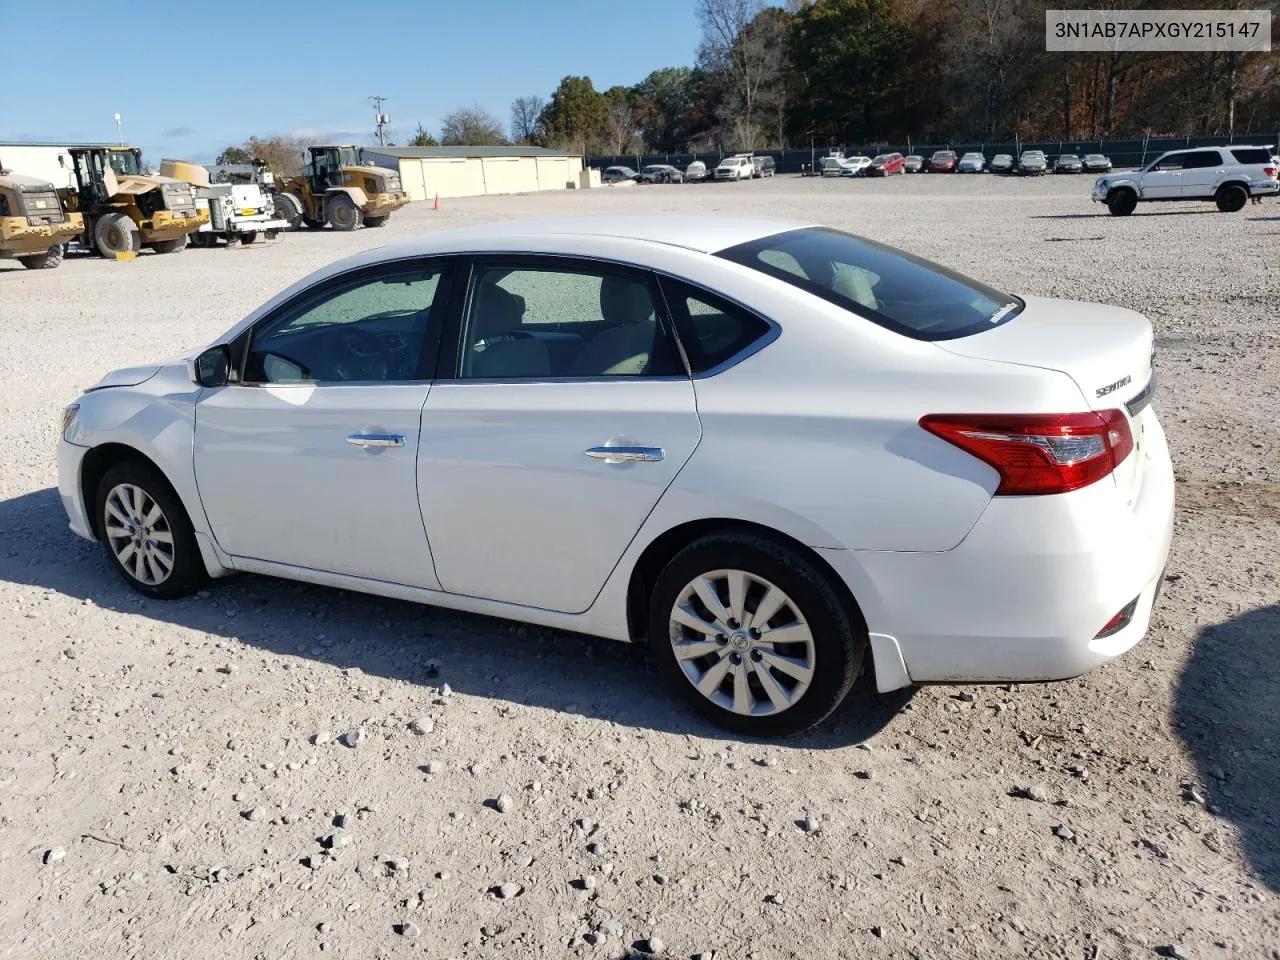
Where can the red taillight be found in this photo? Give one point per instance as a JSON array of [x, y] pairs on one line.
[[1269, 171], [1039, 453]]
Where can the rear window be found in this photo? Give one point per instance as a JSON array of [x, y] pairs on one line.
[[907, 294], [1251, 154]]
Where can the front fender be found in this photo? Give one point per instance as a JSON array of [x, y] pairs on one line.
[[358, 196]]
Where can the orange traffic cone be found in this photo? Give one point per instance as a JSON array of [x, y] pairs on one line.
[[436, 205]]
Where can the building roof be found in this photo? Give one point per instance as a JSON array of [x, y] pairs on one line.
[[424, 153]]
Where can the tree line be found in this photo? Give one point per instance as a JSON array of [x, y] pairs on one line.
[[878, 71]]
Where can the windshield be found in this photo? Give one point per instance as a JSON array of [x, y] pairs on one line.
[[883, 158], [123, 162], [347, 157], [973, 156], [943, 155], [904, 293]]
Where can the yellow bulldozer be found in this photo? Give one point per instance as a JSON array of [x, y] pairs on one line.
[[34, 228], [125, 210], [338, 190]]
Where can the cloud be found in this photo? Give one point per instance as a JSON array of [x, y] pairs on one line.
[[178, 132], [315, 135]]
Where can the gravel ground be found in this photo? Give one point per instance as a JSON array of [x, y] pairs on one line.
[[173, 785]]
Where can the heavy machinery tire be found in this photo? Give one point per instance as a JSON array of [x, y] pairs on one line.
[[248, 238], [1121, 203], [374, 221], [116, 233], [199, 239], [1232, 197], [176, 245], [44, 261], [341, 212], [288, 208], [272, 234]]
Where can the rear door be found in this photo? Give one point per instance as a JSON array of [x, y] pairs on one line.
[[558, 419], [1202, 171]]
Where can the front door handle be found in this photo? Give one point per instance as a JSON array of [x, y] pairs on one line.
[[376, 440], [625, 454]]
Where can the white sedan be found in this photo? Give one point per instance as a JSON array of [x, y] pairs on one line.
[[765, 448]]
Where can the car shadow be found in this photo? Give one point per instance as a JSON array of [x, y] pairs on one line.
[[1225, 710], [1144, 213], [478, 655]]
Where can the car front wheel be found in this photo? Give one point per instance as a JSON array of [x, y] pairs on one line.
[[753, 635], [147, 532]]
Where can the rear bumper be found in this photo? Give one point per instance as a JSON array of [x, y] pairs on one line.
[[1025, 595], [1264, 188], [70, 457]]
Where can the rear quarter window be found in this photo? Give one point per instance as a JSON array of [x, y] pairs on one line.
[[712, 331], [1251, 155], [894, 289]]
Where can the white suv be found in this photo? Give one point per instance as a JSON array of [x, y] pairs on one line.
[[735, 168], [1227, 175]]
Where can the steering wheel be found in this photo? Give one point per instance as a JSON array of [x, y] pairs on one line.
[[370, 358]]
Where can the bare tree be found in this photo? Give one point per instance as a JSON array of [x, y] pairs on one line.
[[739, 40], [620, 119], [471, 126], [526, 114]]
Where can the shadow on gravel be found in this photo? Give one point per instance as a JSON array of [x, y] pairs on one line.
[[1144, 213], [1226, 709], [476, 655]]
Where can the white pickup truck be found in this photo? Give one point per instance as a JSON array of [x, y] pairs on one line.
[[1228, 176]]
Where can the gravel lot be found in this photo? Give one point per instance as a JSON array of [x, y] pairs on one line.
[[170, 784]]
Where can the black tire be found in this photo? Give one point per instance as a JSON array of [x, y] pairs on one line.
[[1121, 203], [376, 221], [48, 260], [1231, 198], [341, 212], [115, 233], [288, 208], [202, 240], [839, 634], [176, 245], [187, 572], [247, 238], [272, 234]]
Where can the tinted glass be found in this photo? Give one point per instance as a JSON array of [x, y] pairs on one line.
[[1202, 158], [535, 323], [1251, 155], [712, 331], [370, 330], [894, 289], [1171, 162]]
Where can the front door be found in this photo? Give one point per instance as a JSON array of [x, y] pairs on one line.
[[1163, 179], [565, 416], [309, 459]]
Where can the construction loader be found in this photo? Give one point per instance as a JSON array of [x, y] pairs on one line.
[[125, 211], [338, 190], [34, 228]]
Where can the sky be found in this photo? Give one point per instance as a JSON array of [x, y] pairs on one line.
[[237, 68]]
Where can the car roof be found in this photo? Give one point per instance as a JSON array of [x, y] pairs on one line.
[[701, 232]]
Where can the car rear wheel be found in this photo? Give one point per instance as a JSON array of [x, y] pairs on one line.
[[1121, 203], [1231, 198], [147, 533], [754, 636]]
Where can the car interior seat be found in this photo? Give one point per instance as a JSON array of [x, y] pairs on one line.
[[496, 346], [623, 348]]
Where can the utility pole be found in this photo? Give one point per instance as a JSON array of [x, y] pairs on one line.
[[380, 120]]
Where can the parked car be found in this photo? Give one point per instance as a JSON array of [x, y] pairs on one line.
[[943, 161], [971, 163], [1033, 163], [764, 166], [1096, 163], [914, 164], [886, 165], [696, 171], [855, 166], [618, 174], [1228, 176], [552, 447], [1068, 163], [737, 167], [1001, 163], [660, 173], [832, 165]]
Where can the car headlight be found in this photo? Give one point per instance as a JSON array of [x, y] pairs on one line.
[[69, 414]]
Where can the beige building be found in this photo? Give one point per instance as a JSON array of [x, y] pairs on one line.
[[426, 172], [44, 161]]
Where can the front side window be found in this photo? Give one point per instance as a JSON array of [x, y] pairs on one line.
[[1174, 161], [905, 293], [372, 329], [123, 162], [529, 322]]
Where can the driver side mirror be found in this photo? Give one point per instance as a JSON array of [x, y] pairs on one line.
[[213, 367]]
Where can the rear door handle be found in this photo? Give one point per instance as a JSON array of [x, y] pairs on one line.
[[376, 440], [625, 454]]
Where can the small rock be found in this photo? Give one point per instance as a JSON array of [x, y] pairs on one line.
[[966, 697], [255, 814], [1174, 951], [287, 818], [776, 899], [865, 774], [1217, 773], [593, 937], [879, 931], [506, 891], [233, 744], [321, 738], [435, 766], [397, 865], [587, 883], [54, 854], [704, 955], [504, 803], [611, 928], [1037, 793], [810, 824], [337, 840], [70, 653], [654, 945], [341, 820], [446, 691], [660, 879], [408, 929], [353, 737], [422, 726], [322, 927], [1192, 795], [1063, 833]]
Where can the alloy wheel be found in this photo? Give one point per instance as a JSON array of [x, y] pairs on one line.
[[742, 642], [139, 534]]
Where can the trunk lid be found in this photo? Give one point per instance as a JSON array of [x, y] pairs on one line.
[[1106, 350]]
